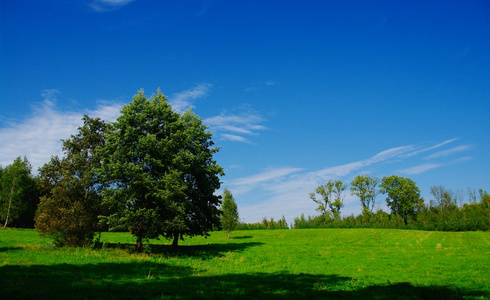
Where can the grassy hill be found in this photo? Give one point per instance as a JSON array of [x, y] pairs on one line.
[[267, 264]]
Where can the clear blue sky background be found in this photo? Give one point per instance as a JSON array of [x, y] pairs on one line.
[[295, 92]]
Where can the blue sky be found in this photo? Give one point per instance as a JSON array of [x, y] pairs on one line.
[[295, 92]]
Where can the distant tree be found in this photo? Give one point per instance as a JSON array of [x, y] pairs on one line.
[[403, 196], [471, 195], [159, 173], [443, 197], [485, 202], [338, 202], [229, 213], [366, 188], [325, 191], [69, 209], [17, 191], [484, 196]]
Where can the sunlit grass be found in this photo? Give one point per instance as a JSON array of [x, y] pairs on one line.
[[338, 263]]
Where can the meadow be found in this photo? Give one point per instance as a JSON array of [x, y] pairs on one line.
[[260, 264]]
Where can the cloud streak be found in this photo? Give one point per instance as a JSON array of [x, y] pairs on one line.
[[448, 152], [108, 5], [426, 149], [184, 100], [235, 127], [420, 169]]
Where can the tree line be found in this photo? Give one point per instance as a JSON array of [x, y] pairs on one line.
[[408, 210]]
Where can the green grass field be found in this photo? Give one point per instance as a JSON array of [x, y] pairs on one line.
[[268, 264]]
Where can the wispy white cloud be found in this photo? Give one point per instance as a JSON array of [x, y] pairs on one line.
[[234, 138], [396, 152], [184, 100], [108, 5], [50, 96], [448, 152], [234, 127], [461, 159], [38, 137], [420, 169], [345, 169], [267, 83], [426, 149], [267, 176]]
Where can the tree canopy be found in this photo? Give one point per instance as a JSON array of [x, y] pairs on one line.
[[18, 193], [366, 188], [403, 196], [331, 194], [159, 173], [69, 209]]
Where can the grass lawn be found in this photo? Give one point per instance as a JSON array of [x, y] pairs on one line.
[[262, 264]]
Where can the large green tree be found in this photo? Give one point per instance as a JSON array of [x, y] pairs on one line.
[[71, 203], [366, 188], [18, 194], [403, 196], [159, 173], [229, 212]]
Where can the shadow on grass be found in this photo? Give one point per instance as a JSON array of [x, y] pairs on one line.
[[241, 237], [202, 252], [5, 249], [150, 280]]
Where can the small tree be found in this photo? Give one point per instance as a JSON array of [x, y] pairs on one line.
[[229, 213], [403, 196], [69, 209], [366, 188], [338, 191], [331, 197], [18, 194], [444, 197], [325, 191]]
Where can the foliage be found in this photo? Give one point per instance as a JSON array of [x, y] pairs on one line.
[[338, 201], [443, 197], [366, 188], [265, 224], [229, 212], [159, 173], [331, 197], [325, 191], [403, 196], [274, 264], [18, 194], [70, 205]]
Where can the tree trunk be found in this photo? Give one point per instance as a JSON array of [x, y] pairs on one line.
[[10, 200], [139, 242], [175, 242]]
